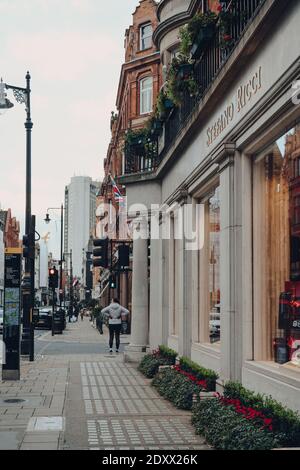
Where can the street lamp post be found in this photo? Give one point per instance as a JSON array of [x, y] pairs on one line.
[[70, 285], [22, 96], [48, 220]]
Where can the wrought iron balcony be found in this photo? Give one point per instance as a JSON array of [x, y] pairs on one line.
[[207, 67], [141, 154]]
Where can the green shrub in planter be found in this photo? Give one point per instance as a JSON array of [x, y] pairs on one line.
[[176, 388], [151, 362], [149, 366], [224, 429], [285, 422], [200, 372], [168, 354]]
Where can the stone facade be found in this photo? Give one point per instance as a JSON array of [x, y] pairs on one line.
[[221, 160]]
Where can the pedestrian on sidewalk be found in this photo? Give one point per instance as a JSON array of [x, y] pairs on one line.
[[114, 313], [70, 313], [82, 314]]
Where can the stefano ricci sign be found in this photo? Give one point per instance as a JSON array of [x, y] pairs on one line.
[[243, 96]]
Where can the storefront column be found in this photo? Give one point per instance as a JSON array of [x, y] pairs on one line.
[[185, 279], [156, 304], [140, 294], [228, 264]]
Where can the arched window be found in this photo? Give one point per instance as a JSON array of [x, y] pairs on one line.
[[146, 95]]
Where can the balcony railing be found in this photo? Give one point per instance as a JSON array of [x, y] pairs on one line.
[[141, 155], [207, 68]]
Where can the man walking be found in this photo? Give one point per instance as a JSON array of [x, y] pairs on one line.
[[115, 313]]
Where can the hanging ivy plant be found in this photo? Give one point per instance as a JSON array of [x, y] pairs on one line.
[[180, 81]]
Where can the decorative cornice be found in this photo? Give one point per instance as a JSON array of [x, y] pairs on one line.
[[225, 155], [182, 195]]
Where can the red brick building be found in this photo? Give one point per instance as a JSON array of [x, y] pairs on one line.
[[139, 85], [11, 229]]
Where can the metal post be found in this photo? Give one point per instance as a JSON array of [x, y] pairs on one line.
[[71, 281], [61, 257], [53, 293], [32, 293], [28, 300]]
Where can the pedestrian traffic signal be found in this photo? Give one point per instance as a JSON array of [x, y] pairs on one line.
[[53, 278], [112, 282], [28, 246], [100, 253]]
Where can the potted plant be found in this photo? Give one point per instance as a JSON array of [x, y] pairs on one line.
[[154, 124], [180, 79], [164, 105], [227, 18], [185, 70], [203, 28]]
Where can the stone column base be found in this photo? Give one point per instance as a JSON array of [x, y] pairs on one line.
[[10, 375], [134, 353]]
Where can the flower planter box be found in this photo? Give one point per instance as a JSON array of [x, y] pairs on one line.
[[184, 71], [205, 35], [168, 107], [169, 104]]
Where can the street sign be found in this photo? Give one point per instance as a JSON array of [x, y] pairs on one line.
[[12, 313]]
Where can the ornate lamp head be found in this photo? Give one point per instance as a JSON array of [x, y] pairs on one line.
[[4, 102]]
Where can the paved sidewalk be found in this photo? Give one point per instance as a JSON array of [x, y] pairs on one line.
[[88, 401]]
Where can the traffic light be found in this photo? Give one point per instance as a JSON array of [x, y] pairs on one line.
[[123, 258], [100, 253], [28, 246], [53, 278], [112, 281]]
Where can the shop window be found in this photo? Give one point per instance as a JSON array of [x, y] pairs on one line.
[[214, 267], [145, 36], [146, 95], [276, 254], [209, 272]]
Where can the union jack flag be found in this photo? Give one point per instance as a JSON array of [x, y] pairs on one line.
[[117, 194]]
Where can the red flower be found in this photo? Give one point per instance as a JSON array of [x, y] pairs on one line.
[[227, 37]]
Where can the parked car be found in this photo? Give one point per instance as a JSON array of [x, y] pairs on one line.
[[44, 319], [214, 322], [1, 320]]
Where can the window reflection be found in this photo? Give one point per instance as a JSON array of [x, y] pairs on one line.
[[214, 267]]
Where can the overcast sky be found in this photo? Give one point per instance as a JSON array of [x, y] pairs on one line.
[[74, 51]]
